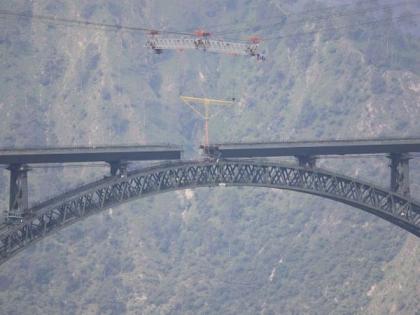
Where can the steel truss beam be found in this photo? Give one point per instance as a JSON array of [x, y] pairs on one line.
[[159, 43], [66, 209]]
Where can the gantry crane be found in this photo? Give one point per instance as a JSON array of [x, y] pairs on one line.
[[201, 40], [206, 102]]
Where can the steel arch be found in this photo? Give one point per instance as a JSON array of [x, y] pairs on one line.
[[68, 208]]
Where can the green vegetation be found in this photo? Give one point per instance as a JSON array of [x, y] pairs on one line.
[[222, 251]]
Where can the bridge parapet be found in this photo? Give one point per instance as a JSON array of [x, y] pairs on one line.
[[306, 152], [313, 148], [17, 161]]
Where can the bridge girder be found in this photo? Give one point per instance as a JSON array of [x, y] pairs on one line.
[[66, 209]]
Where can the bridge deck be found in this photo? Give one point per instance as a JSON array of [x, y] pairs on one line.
[[90, 154], [313, 148]]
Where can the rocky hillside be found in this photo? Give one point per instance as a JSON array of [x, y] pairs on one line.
[[213, 251]]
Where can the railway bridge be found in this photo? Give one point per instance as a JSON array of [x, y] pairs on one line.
[[229, 164]]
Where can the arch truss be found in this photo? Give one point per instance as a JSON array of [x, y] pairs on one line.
[[66, 209]]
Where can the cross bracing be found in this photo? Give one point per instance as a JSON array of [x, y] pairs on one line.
[[159, 43], [50, 216]]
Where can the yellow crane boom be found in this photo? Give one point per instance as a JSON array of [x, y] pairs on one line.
[[206, 102]]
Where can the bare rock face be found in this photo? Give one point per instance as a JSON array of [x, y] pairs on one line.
[[212, 251], [402, 275]]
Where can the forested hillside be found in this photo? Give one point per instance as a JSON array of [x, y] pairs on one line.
[[333, 70]]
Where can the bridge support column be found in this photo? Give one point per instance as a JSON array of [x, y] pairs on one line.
[[306, 160], [118, 168], [18, 198], [400, 181]]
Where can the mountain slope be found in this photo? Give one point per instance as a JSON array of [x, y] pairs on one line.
[[229, 251]]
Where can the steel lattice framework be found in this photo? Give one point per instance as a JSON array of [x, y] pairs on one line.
[[159, 43], [50, 216]]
